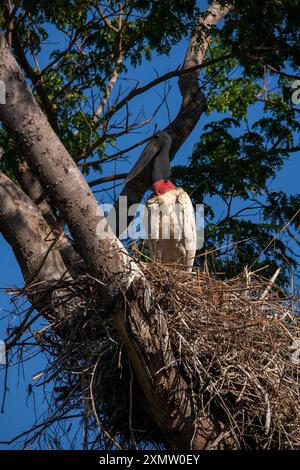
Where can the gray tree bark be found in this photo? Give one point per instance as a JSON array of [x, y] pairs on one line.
[[138, 320]]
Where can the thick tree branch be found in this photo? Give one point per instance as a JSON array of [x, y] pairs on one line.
[[107, 179], [32, 75], [193, 100], [37, 250], [33, 188], [30, 237], [50, 161], [134, 310]]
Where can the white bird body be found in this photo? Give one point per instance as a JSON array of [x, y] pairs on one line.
[[171, 228], [170, 225]]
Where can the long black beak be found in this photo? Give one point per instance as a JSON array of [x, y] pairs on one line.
[[147, 155]]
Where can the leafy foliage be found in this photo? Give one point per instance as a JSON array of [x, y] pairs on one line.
[[70, 50], [85, 55], [246, 143], [73, 51]]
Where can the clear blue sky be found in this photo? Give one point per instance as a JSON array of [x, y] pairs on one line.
[[19, 415]]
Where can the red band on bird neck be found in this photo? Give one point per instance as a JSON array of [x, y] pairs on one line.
[[161, 187]]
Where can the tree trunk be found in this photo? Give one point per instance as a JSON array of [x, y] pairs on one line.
[[139, 322], [138, 319], [44, 271]]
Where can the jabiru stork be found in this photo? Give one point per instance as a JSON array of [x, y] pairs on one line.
[[170, 221]]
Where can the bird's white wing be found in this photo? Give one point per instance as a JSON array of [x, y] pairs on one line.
[[189, 222], [172, 228]]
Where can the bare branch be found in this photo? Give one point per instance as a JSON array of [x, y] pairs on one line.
[[112, 81], [107, 22], [167, 76], [110, 157], [107, 179]]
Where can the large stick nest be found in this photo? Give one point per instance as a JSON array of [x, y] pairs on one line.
[[233, 347], [236, 352]]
